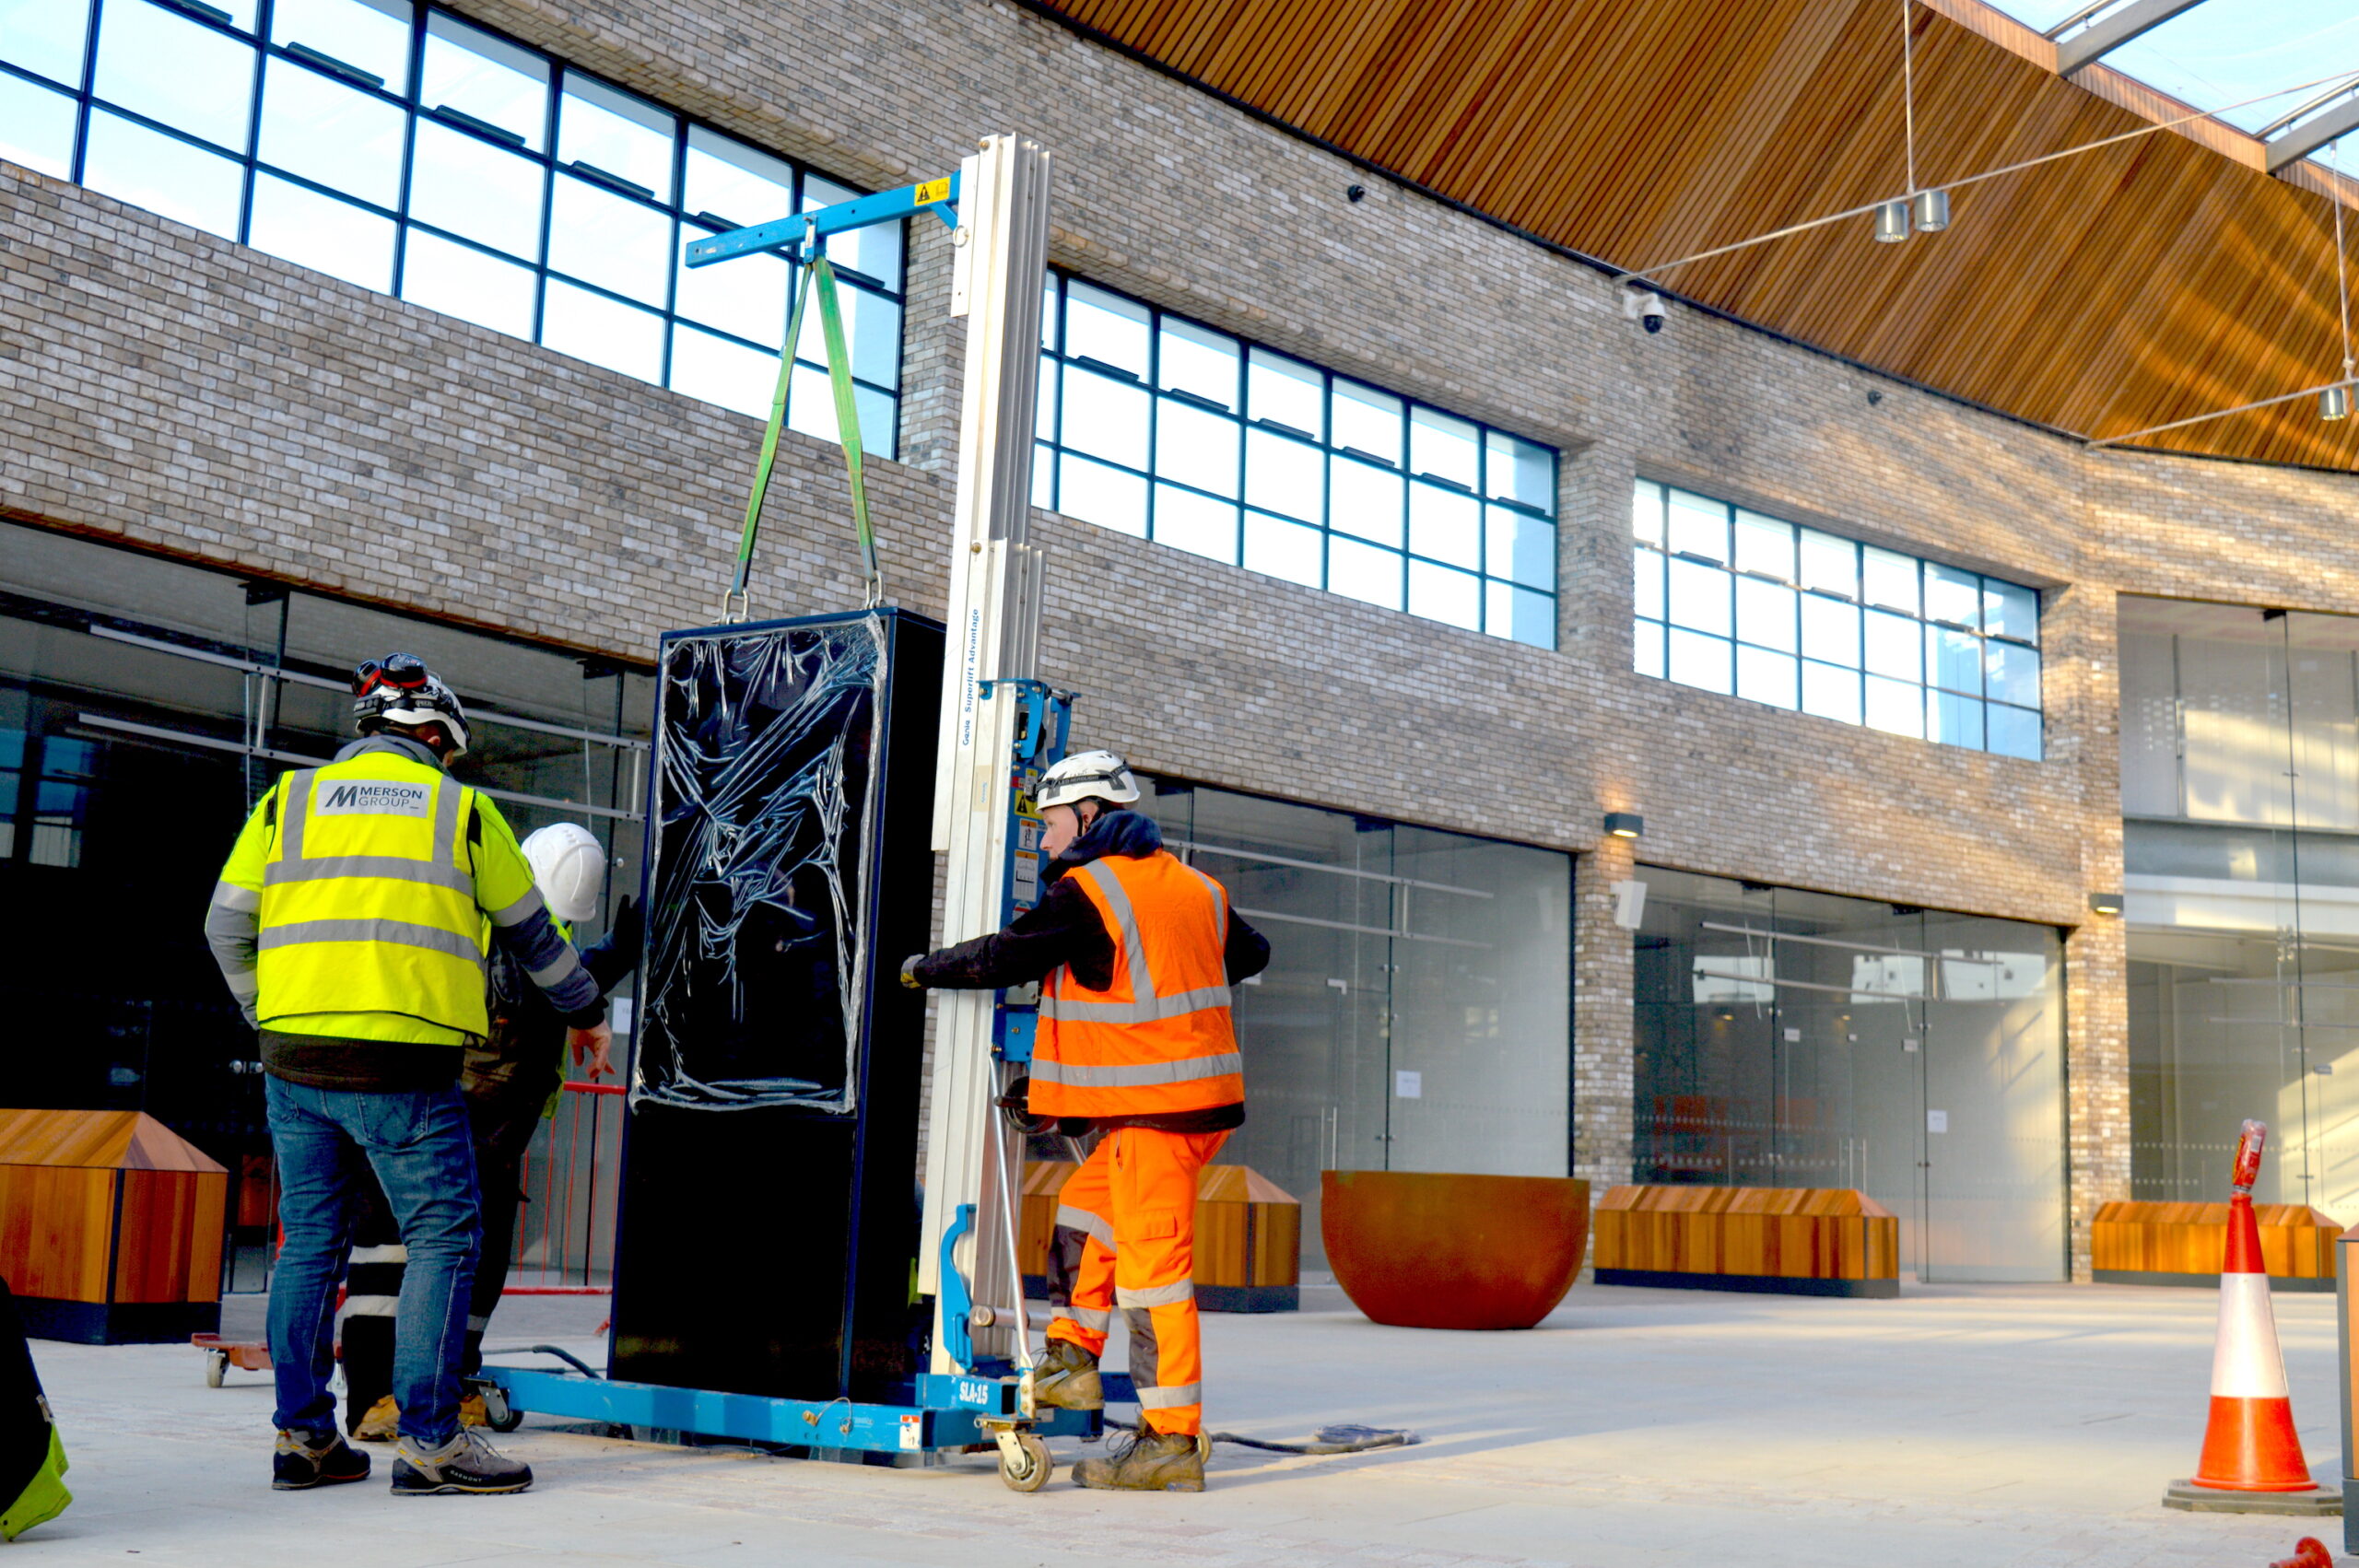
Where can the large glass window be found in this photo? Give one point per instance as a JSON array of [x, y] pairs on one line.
[[145, 704], [1154, 425], [395, 146], [1753, 607], [2241, 846], [1788, 1039], [1416, 1011]]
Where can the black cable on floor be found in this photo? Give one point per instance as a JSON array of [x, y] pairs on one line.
[[1345, 1438]]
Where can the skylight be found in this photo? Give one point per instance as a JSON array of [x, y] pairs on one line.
[[2220, 53]]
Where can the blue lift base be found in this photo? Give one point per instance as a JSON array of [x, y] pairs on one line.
[[946, 1414]]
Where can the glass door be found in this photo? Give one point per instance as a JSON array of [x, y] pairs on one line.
[[1416, 1011], [1789, 1039], [1994, 1121]]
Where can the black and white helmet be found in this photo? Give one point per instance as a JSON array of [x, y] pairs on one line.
[[1087, 775], [400, 689]]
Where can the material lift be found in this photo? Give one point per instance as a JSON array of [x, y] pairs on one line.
[[1000, 727]]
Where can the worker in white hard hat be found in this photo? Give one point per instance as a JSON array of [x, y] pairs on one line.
[[510, 1082], [351, 923], [1137, 952]]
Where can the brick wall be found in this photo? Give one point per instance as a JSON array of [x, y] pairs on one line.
[[167, 390]]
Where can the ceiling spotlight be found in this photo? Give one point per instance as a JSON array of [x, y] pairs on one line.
[[2334, 403], [1932, 211], [1892, 223]]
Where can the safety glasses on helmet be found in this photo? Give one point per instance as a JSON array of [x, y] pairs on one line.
[[403, 672]]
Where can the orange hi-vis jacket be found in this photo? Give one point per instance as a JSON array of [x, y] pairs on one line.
[[1159, 1038]]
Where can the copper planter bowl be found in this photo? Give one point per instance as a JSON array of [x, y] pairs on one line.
[[1420, 1249]]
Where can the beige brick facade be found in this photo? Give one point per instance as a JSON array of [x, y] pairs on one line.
[[167, 390]]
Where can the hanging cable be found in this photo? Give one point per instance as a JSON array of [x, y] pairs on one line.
[[2349, 79], [2341, 272], [1908, 94]]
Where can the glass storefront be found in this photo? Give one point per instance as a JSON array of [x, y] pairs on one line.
[[144, 705], [1416, 1014], [1788, 1039], [2240, 843]]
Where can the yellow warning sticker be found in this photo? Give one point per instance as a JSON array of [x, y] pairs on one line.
[[933, 191]]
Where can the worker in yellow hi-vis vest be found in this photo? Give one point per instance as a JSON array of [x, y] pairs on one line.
[[351, 923], [1138, 952]]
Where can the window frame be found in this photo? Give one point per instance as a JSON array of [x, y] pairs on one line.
[[1049, 447], [406, 96], [1652, 548]]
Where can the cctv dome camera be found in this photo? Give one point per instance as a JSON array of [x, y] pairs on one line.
[[1644, 308]]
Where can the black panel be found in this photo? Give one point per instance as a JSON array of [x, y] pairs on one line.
[[770, 1213]]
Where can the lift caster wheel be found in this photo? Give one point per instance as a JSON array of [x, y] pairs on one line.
[[1026, 1466], [217, 1366], [498, 1415]]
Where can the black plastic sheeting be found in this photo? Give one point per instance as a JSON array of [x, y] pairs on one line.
[[762, 811]]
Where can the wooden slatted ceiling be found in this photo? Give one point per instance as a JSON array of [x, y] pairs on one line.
[[2105, 293]]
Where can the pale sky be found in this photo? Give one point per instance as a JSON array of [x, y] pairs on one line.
[[2224, 52]]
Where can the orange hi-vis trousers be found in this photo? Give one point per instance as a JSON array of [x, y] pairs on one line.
[[1126, 1238]]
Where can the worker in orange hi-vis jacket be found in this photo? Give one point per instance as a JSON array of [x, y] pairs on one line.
[[1137, 952]]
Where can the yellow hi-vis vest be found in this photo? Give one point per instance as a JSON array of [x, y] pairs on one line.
[[372, 897]]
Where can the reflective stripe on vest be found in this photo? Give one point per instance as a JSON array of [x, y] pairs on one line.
[[1140, 1076]]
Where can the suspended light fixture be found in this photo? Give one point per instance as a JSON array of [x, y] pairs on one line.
[[2334, 403], [1932, 207]]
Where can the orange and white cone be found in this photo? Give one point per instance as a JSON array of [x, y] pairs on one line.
[[2250, 1444], [2250, 1447]]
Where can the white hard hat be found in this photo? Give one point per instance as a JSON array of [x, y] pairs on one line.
[[1090, 776], [571, 867]]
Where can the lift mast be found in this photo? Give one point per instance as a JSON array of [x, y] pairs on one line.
[[991, 710]]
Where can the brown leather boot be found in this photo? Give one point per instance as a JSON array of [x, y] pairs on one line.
[[1148, 1461], [1066, 1378]]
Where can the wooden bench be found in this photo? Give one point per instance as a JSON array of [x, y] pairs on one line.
[[110, 1227], [2182, 1243], [1249, 1238], [1830, 1241]]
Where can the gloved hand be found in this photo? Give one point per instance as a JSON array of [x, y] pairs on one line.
[[628, 929], [908, 974]]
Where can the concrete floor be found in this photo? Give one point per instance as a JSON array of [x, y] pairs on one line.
[[1990, 1425]]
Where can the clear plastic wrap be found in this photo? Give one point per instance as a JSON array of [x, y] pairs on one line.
[[764, 801]]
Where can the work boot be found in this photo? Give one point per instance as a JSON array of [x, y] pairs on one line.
[[44, 1497], [305, 1460], [1066, 1379], [1148, 1461], [383, 1423], [466, 1463], [472, 1411]]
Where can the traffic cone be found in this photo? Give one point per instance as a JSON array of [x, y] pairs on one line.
[[2252, 1460], [2250, 1444], [2308, 1553]]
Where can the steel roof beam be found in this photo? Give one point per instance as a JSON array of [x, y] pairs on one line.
[[2311, 135], [2105, 36]]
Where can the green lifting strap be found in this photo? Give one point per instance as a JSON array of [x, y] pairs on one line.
[[819, 273]]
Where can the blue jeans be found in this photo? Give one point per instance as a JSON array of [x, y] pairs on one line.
[[329, 1141]]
